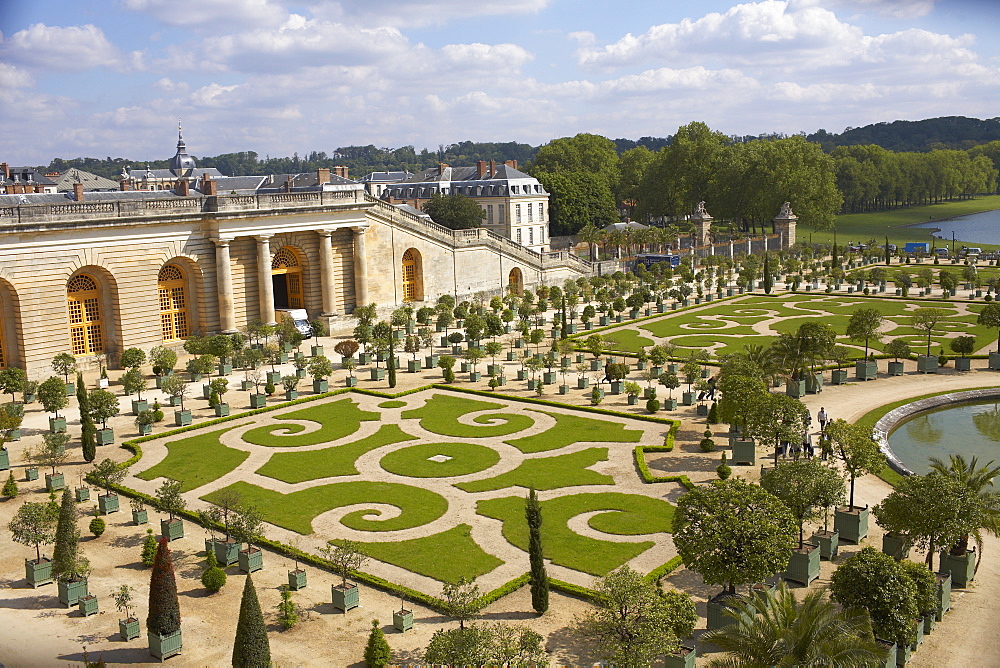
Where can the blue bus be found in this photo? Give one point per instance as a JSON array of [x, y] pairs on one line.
[[649, 259]]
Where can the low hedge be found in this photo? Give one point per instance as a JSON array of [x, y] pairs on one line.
[[640, 463]]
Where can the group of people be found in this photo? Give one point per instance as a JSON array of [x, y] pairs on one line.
[[806, 447]]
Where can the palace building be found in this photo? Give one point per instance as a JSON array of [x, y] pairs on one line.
[[94, 273]]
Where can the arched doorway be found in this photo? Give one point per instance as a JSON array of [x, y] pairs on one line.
[[413, 279], [286, 277], [173, 303], [83, 299], [515, 282]]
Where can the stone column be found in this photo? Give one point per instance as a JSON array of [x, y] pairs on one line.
[[264, 284], [224, 284], [360, 267], [702, 223], [784, 224], [326, 272]]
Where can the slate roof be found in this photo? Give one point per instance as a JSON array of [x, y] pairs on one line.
[[91, 182], [26, 175]]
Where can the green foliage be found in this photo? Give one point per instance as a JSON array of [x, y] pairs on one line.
[[423, 555], [898, 348], [132, 358], [103, 405], [52, 395], [707, 444], [723, 470], [64, 364], [34, 524], [345, 557], [462, 600], [500, 644], [455, 211], [804, 486], [539, 578], [149, 546], [864, 326], [713, 413], [97, 526], [213, 578], [164, 615], [652, 405], [861, 454], [168, 497], [288, 611], [378, 654], [67, 562], [963, 345], [925, 587], [10, 487], [251, 648], [872, 581]]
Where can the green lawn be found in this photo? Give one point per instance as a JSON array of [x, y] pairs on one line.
[[296, 511], [294, 467], [338, 419], [196, 461], [423, 555], [860, 227], [548, 473], [570, 429], [465, 458], [392, 404], [441, 412], [630, 515], [627, 339]]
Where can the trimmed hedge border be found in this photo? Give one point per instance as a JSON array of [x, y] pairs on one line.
[[432, 602], [647, 477]]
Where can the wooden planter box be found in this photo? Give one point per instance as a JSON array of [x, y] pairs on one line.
[[717, 606], [927, 363], [852, 525], [71, 591], [687, 398], [140, 517], [895, 546], [57, 425], [961, 568], [795, 388], [251, 560], [814, 383], [744, 452], [182, 418], [702, 410], [129, 628], [617, 386], [164, 647], [377, 373], [316, 351], [107, 503], [258, 400], [944, 594], [895, 368], [227, 552], [402, 620], [866, 370], [291, 395], [246, 385], [595, 365], [828, 542], [174, 401], [994, 361], [297, 579], [273, 377], [139, 405], [172, 529], [222, 410], [669, 404], [803, 567], [321, 385], [39, 573], [412, 366], [582, 383], [963, 364], [88, 605], [82, 494], [31, 473], [55, 482], [345, 597]]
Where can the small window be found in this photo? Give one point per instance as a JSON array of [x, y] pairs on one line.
[[541, 211], [513, 190], [517, 213], [489, 213], [531, 217], [531, 236], [519, 235]]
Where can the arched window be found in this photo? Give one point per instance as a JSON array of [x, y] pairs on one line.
[[515, 283], [173, 303], [84, 301], [412, 276], [286, 264]]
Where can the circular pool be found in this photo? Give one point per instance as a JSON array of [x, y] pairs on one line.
[[966, 423]]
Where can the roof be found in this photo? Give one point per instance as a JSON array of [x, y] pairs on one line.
[[166, 174], [386, 177], [99, 196], [91, 182], [412, 210], [502, 173], [505, 181], [27, 175], [630, 225]]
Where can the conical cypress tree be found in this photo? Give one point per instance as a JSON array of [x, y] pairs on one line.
[[88, 433], [10, 487], [251, 649], [539, 578], [768, 279], [67, 548], [378, 654], [164, 615]]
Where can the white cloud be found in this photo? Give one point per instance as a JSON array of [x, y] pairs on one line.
[[12, 77], [900, 9], [420, 13], [211, 13], [73, 48]]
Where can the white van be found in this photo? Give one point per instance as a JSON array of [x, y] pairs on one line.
[[973, 251], [299, 317]]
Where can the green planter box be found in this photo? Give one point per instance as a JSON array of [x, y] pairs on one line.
[[251, 560], [402, 620], [55, 482], [803, 567], [866, 370], [164, 647], [927, 363], [963, 364], [57, 425], [139, 405], [291, 395], [225, 369], [174, 401], [246, 385], [502, 380], [918, 626], [944, 594], [549, 377], [258, 400], [364, 358], [838, 376], [702, 410], [227, 552], [377, 373], [852, 525], [895, 368], [351, 381], [814, 383], [890, 653], [129, 628], [38, 573], [633, 399], [140, 517], [744, 452], [828, 542], [617, 386], [582, 383], [929, 621], [412, 366], [88, 605], [717, 606], [70, 389], [669, 404], [685, 657], [172, 529], [107, 503], [15, 435], [475, 376], [465, 367], [961, 568], [345, 597], [297, 579], [71, 591], [222, 410], [649, 393], [995, 361], [321, 385], [895, 546], [182, 418], [532, 384], [300, 373], [687, 399], [82, 494], [273, 377], [795, 388], [316, 351], [105, 436], [595, 365], [564, 389], [31, 473]]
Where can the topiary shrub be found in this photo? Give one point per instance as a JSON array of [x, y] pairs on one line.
[[148, 548], [723, 469], [10, 487], [213, 578], [713, 413], [97, 526], [595, 396], [653, 405], [707, 444], [269, 389]]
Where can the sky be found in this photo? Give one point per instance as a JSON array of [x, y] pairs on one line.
[[112, 78]]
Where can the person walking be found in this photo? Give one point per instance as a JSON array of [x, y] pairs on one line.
[[823, 418]]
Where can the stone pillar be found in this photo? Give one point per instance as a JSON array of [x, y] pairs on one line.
[[784, 224], [702, 223], [264, 284], [224, 284], [326, 272], [360, 267]]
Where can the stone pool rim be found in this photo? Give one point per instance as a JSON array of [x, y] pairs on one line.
[[888, 422]]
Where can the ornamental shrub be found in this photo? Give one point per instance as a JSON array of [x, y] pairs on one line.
[[713, 413], [378, 653], [97, 526], [595, 396], [652, 405], [707, 444], [10, 487], [288, 612], [148, 548], [213, 578], [251, 648], [164, 616], [723, 469]]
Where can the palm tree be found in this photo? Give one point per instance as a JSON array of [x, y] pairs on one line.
[[774, 630], [979, 481], [591, 236], [616, 239]]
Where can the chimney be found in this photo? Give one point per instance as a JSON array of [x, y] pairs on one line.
[[323, 175], [77, 192], [209, 187], [341, 171], [124, 184], [493, 168], [511, 163], [480, 168], [6, 170], [183, 189], [288, 184], [441, 167]]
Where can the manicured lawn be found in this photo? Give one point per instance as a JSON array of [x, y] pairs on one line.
[[196, 461], [392, 404], [548, 473], [628, 339], [424, 555], [294, 467], [296, 511], [464, 458], [570, 429], [441, 412], [629, 515], [338, 419]]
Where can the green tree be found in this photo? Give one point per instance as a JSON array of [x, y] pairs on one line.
[[103, 405], [864, 326], [578, 200], [776, 419], [462, 600], [169, 499], [539, 578], [164, 616], [52, 395], [872, 581], [803, 486], [149, 547], [67, 562], [773, 629], [582, 153], [64, 364], [378, 654], [88, 433], [12, 379], [990, 317], [927, 319], [288, 612], [10, 487], [978, 480], [33, 524], [858, 449], [251, 648], [455, 211], [733, 532], [684, 173]]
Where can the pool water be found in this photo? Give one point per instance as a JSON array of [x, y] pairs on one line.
[[972, 430], [976, 228]]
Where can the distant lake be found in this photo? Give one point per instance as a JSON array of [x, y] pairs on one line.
[[976, 228]]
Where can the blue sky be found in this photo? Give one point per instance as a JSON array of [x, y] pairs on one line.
[[111, 78]]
